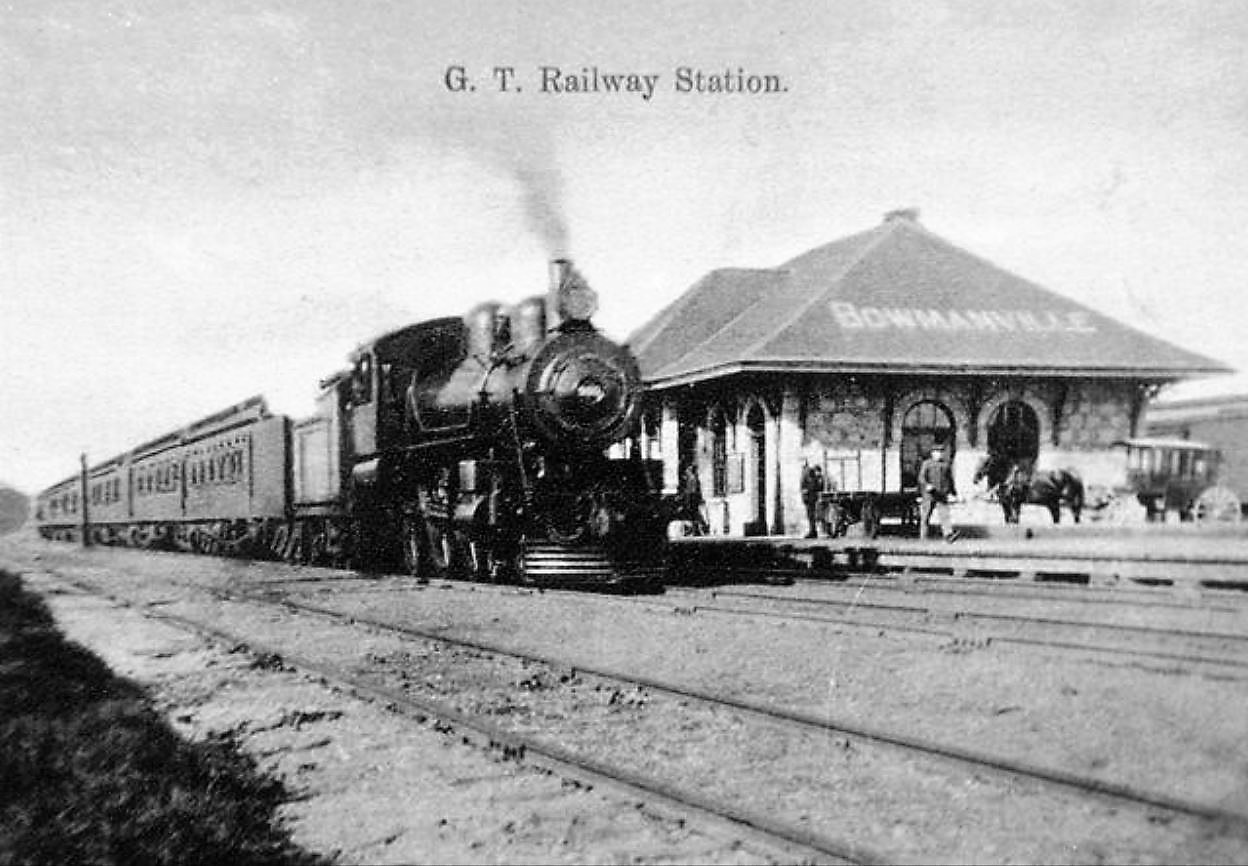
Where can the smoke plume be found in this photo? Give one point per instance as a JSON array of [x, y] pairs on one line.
[[526, 150], [542, 192]]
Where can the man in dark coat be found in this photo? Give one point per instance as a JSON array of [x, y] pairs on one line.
[[936, 488], [691, 500], [812, 486]]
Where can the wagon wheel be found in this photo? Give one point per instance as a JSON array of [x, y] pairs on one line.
[[1217, 503], [870, 518]]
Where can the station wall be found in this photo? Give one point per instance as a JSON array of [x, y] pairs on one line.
[[751, 443]]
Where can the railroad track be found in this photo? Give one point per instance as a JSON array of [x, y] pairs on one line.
[[948, 624], [998, 588], [977, 760], [798, 843], [975, 763], [1224, 651]]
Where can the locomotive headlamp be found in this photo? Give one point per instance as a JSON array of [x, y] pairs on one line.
[[591, 390], [574, 299]]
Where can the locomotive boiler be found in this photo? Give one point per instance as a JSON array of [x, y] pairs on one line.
[[474, 446]]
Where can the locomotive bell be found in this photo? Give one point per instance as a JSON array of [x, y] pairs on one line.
[[571, 298]]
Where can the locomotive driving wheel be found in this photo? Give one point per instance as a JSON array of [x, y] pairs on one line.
[[415, 547], [442, 553]]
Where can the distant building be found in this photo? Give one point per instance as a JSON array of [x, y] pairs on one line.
[[1218, 421], [864, 353]]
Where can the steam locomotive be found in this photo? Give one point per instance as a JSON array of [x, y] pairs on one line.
[[475, 446]]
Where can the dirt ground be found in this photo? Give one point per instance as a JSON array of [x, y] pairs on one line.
[[375, 786]]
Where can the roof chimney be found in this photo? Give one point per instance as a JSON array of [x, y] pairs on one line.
[[909, 214]]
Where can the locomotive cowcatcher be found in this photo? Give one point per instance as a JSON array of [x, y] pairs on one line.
[[474, 446]]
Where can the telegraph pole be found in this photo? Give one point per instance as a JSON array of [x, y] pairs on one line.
[[85, 523]]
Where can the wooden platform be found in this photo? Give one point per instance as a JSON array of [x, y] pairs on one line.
[[1199, 560]]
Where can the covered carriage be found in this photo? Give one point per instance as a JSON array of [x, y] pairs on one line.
[[1171, 476]]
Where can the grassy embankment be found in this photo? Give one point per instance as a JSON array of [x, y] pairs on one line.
[[90, 773]]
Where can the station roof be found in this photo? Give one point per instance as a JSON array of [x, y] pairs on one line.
[[894, 299]]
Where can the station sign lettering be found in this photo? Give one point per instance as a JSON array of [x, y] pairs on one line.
[[854, 317]]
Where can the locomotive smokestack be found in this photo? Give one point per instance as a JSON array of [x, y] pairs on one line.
[[559, 269], [571, 302]]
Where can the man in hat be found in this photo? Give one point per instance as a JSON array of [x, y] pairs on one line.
[[690, 492], [812, 486], [935, 490]]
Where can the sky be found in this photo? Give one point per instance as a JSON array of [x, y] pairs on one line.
[[201, 202]]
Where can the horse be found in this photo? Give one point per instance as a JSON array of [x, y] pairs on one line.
[[1018, 484]]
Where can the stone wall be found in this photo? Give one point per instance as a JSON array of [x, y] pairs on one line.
[[855, 429]]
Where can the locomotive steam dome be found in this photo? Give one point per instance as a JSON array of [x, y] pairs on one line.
[[585, 390]]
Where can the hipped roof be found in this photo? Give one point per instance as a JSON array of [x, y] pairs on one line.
[[898, 299]]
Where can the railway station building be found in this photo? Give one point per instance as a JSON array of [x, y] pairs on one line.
[[863, 354]]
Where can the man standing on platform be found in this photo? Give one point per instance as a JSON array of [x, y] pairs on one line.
[[935, 490], [812, 486], [691, 501]]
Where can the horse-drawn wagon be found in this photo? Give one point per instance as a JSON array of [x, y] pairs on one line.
[[1173, 476], [845, 501]]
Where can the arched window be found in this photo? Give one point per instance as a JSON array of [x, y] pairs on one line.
[[1014, 431], [925, 426]]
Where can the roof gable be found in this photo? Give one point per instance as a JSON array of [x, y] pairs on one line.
[[896, 298], [702, 314]]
